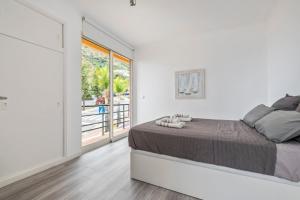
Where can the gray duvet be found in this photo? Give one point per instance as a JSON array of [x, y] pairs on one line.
[[219, 142]]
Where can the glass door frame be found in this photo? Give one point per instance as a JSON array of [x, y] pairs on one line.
[[111, 137], [111, 71]]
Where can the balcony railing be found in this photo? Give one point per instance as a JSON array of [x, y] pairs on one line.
[[97, 117]]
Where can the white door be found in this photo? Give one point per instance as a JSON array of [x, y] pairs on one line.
[[31, 78]]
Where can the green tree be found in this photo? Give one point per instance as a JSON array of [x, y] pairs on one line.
[[101, 81], [86, 73], [120, 85]]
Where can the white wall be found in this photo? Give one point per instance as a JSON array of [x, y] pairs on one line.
[[284, 49], [68, 12], [236, 73]]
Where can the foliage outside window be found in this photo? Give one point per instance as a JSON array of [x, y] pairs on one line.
[[95, 75]]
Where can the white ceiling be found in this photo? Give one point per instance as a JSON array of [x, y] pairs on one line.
[[154, 20]]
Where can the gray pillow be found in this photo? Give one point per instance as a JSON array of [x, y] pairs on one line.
[[298, 108], [287, 103], [257, 113], [280, 126]]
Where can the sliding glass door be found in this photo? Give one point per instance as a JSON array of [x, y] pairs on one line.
[[95, 90], [105, 87], [121, 71]]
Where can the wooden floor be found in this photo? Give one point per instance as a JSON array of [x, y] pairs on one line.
[[100, 174]]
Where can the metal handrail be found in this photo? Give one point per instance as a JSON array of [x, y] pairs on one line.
[[105, 123], [94, 106]]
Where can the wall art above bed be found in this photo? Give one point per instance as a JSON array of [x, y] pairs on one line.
[[190, 84]]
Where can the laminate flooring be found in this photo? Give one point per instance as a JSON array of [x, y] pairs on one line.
[[102, 174]]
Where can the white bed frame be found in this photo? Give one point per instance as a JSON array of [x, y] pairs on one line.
[[208, 182]]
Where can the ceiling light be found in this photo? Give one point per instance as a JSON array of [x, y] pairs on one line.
[[132, 2]]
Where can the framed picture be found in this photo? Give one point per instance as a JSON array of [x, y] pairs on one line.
[[190, 84]]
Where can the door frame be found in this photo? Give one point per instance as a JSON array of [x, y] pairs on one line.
[[64, 103], [65, 154], [111, 138], [121, 136]]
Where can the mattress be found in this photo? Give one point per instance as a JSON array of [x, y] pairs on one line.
[[220, 142], [288, 161]]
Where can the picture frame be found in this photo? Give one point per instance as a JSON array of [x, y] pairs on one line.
[[190, 84]]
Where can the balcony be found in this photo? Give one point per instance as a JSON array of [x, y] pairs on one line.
[[96, 123]]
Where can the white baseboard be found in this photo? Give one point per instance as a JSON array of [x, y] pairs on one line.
[[37, 169]]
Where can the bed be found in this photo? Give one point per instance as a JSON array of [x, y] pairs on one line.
[[215, 159]]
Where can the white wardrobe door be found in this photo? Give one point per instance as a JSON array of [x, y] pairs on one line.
[[31, 125], [24, 23]]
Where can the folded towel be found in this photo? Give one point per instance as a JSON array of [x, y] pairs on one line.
[[183, 118], [171, 119], [169, 122], [181, 115]]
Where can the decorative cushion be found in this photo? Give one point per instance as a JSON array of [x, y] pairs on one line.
[[298, 108], [280, 126], [287, 103], [257, 113]]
